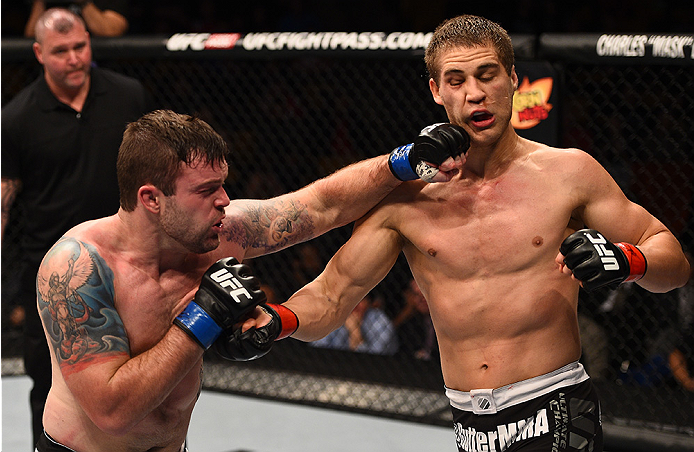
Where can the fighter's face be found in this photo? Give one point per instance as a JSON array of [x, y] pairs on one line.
[[476, 91], [193, 215], [66, 58]]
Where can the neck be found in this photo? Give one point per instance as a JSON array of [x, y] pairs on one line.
[[74, 97], [488, 161], [145, 245]]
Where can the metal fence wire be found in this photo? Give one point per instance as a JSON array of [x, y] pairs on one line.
[[294, 118]]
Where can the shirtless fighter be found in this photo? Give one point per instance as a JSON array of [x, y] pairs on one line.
[[499, 253], [130, 302]]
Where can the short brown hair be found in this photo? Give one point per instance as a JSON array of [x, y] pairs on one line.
[[468, 31], [154, 147]]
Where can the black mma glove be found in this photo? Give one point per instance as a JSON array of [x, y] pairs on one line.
[[228, 291], [256, 342], [597, 262], [434, 145]]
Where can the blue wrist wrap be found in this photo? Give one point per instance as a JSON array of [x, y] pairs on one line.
[[199, 324], [399, 161]]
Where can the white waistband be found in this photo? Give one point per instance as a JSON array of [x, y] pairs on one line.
[[489, 401]]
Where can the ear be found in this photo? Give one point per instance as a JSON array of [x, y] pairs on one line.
[[149, 196], [514, 77], [37, 52], [435, 91]]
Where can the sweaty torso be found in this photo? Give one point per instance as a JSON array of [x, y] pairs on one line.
[[146, 305], [483, 252]]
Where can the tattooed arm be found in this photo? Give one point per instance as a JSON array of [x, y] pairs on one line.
[[10, 189], [265, 226], [115, 387]]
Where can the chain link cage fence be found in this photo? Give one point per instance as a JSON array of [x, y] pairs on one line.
[[291, 117]]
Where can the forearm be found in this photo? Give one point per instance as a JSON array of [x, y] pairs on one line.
[[679, 369], [351, 274], [264, 226], [351, 192], [318, 311], [37, 8], [140, 385], [103, 23], [10, 187], [353, 324], [667, 266]]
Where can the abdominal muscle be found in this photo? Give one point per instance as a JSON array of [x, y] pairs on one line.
[[501, 329], [164, 429]]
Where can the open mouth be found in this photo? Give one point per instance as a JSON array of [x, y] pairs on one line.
[[481, 118]]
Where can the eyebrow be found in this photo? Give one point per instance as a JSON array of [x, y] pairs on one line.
[[70, 46], [482, 67], [209, 183]]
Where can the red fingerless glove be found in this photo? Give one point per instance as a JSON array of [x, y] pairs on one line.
[[636, 259]]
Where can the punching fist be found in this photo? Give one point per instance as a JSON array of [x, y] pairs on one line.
[[435, 144], [597, 262], [256, 342], [228, 291]]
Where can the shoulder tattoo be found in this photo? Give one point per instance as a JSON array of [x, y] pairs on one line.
[[76, 303]]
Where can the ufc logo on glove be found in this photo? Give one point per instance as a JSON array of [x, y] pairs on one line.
[[225, 279], [607, 257]]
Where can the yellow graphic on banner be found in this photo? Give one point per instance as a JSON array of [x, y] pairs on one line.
[[530, 103]]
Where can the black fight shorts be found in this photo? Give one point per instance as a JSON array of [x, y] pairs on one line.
[[555, 412], [48, 444]]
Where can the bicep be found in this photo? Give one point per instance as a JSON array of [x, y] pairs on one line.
[[608, 210]]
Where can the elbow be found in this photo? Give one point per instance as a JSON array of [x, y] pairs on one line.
[[685, 272], [113, 420], [111, 31], [115, 32], [670, 277], [114, 424]]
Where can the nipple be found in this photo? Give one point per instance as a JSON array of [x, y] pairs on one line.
[[537, 241]]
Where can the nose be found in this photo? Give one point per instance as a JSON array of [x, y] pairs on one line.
[[223, 199], [73, 57], [475, 94]]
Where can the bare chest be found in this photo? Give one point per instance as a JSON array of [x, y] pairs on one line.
[[498, 227], [147, 306]]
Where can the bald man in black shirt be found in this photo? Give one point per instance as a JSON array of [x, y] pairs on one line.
[[60, 139]]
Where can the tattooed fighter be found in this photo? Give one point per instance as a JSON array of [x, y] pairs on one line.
[[130, 302]]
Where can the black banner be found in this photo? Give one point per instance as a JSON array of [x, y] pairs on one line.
[[661, 49], [266, 45]]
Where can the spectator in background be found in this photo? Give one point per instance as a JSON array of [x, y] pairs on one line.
[[102, 17], [60, 139], [415, 329], [681, 360], [681, 357], [367, 329]]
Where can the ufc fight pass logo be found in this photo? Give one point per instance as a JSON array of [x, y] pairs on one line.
[[225, 279], [607, 257]]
